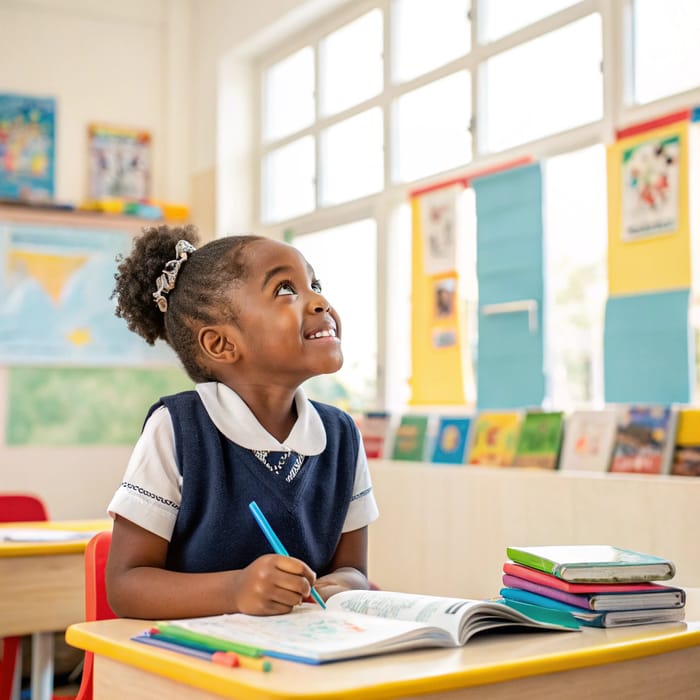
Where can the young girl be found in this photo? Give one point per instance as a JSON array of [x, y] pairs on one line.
[[247, 319]]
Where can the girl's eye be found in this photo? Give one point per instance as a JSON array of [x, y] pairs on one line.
[[285, 289], [316, 286]]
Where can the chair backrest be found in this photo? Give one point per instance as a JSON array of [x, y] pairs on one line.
[[96, 603], [21, 507]]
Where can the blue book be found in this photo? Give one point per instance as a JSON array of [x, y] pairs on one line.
[[537, 605], [451, 440]]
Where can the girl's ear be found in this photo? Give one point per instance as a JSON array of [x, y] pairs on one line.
[[218, 343]]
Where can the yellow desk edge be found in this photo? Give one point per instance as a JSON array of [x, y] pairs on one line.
[[185, 669], [28, 549]]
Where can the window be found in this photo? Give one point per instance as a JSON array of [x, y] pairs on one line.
[[289, 95], [529, 94], [352, 158], [500, 17], [344, 260], [428, 35], [575, 247], [351, 64], [432, 128], [382, 97], [666, 47]]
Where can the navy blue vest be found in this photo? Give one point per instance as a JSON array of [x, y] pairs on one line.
[[215, 530]]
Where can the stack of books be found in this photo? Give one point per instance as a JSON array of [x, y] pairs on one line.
[[598, 585]]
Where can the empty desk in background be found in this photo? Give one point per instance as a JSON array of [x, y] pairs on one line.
[[42, 590], [647, 661]]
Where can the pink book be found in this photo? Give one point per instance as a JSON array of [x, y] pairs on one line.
[[525, 572]]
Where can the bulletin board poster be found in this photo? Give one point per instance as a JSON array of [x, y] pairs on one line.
[[648, 212], [439, 226], [119, 161], [55, 299], [651, 187], [27, 146]]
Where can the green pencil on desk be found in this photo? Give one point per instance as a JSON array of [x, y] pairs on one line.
[[275, 543]]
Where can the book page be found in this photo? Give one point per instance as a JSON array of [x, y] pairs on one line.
[[308, 633], [16, 534]]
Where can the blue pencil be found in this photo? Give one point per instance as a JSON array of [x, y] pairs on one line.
[[275, 542]]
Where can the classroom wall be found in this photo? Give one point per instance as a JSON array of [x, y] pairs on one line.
[[156, 65]]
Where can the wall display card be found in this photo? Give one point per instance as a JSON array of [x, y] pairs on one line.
[[27, 129]]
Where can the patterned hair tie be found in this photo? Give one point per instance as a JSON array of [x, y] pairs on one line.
[[166, 281]]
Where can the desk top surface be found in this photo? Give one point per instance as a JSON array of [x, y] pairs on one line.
[[484, 660], [41, 547]]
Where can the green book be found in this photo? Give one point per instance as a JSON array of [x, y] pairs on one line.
[[540, 440], [410, 438], [598, 563]]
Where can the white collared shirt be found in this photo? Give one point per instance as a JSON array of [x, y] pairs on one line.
[[151, 490]]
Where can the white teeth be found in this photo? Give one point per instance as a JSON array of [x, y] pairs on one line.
[[324, 334]]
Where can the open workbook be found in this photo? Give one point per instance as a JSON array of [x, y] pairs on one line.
[[360, 623]]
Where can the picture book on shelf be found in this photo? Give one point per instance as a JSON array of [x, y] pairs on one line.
[[495, 437], [362, 623], [644, 440], [375, 427], [539, 440], [451, 440], [601, 563], [410, 438], [686, 454], [534, 605], [589, 436]]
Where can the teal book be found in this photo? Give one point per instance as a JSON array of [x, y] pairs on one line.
[[599, 563], [538, 606], [410, 439], [451, 440]]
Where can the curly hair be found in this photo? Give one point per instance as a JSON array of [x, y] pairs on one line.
[[200, 295]]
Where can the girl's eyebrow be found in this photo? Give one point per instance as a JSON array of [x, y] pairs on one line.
[[284, 269]]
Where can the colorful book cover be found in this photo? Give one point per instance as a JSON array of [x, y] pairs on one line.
[[662, 597], [686, 455], [540, 440], [451, 441], [589, 437], [535, 605], [374, 427], [581, 563], [645, 440], [27, 143], [495, 438], [410, 438], [525, 572]]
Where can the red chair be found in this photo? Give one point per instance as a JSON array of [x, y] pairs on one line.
[[96, 604], [16, 507]]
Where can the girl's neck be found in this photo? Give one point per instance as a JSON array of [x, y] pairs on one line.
[[274, 407]]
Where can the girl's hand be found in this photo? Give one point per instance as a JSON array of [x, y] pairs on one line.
[[272, 585]]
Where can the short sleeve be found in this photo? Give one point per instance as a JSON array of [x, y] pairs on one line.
[[363, 506], [151, 491]]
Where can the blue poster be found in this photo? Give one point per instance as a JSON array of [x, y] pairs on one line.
[[27, 136]]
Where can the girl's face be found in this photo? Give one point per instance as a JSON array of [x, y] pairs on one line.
[[287, 329]]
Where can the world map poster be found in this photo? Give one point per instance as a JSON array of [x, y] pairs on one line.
[[55, 305]]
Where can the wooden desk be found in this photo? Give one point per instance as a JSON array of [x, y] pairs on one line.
[[42, 590], [647, 661]]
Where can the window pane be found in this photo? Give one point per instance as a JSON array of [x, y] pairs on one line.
[[288, 180], [576, 272], [351, 64], [337, 255], [427, 35], [544, 86], [288, 95], [432, 128], [352, 158], [500, 17], [666, 47]]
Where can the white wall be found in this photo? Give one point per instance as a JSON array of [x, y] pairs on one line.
[[151, 64]]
